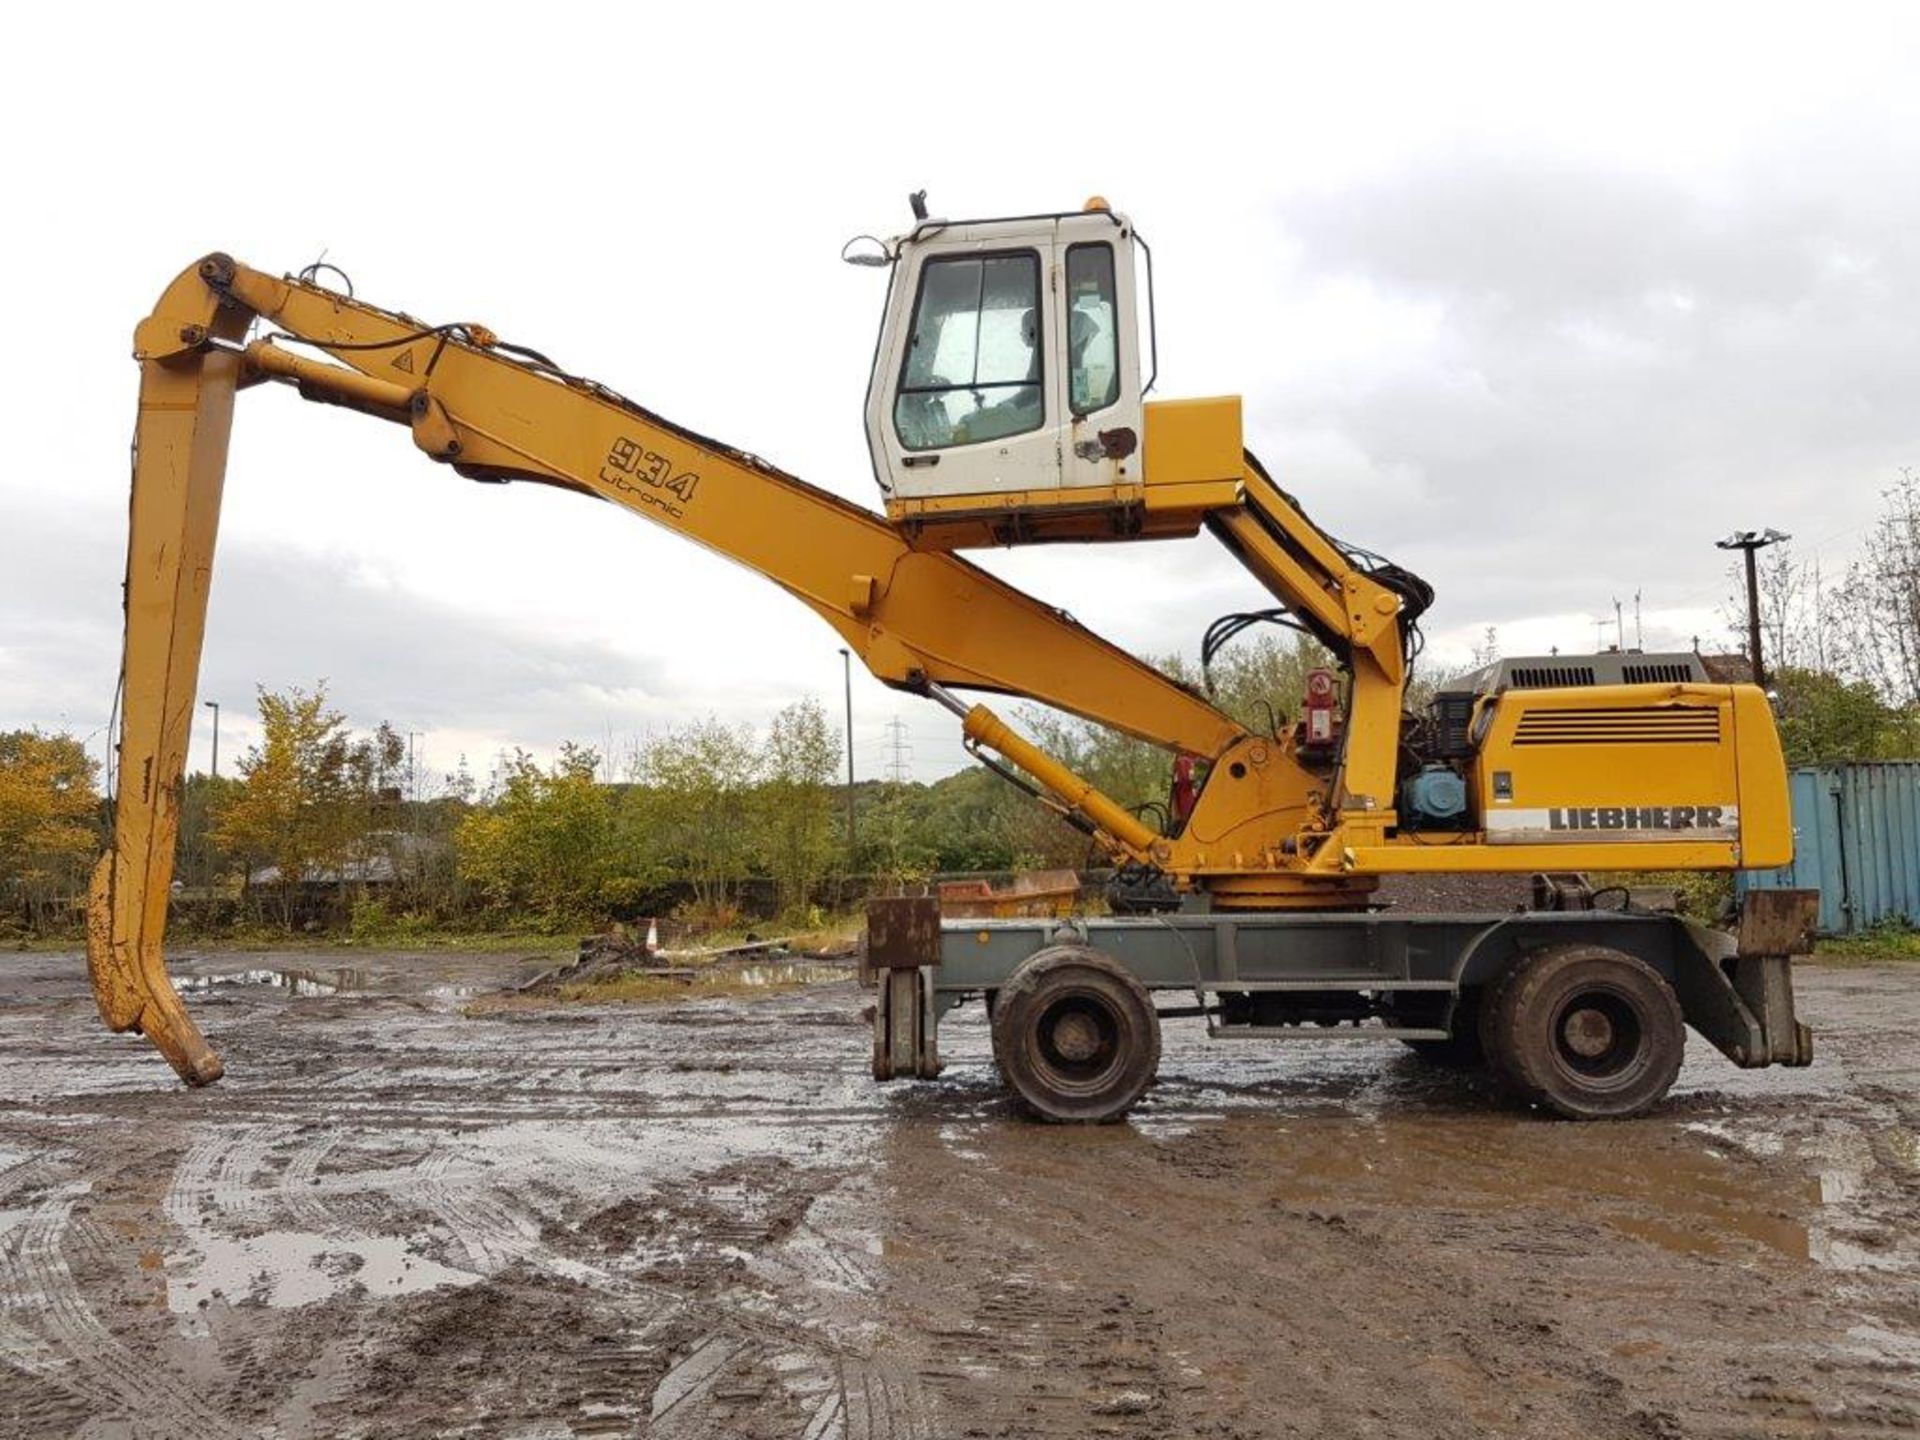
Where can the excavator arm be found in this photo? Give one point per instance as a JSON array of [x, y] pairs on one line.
[[921, 619]]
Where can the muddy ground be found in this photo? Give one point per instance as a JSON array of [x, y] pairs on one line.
[[701, 1219]]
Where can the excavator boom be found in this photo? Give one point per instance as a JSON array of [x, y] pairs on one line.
[[919, 618]]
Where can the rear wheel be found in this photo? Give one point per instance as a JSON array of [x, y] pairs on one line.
[[1587, 1032], [1076, 1035]]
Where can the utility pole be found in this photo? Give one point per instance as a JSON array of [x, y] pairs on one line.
[[206, 844], [1750, 542], [214, 705], [846, 662]]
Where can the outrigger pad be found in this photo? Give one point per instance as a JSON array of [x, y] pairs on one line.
[[903, 933], [1778, 922]]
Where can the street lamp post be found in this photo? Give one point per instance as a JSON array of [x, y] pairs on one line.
[[214, 705], [1751, 542], [846, 660]]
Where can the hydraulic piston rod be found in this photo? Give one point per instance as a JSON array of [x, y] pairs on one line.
[[1076, 796]]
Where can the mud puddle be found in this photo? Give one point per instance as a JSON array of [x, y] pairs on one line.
[[294, 982], [698, 1217]]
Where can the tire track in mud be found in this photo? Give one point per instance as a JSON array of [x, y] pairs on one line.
[[302, 1178], [881, 1401], [219, 1179], [192, 1181], [231, 1187], [26, 1174], [724, 1383], [672, 1414], [486, 1231], [731, 1366], [780, 1355], [80, 1355]]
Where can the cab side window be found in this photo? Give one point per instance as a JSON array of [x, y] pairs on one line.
[[972, 369], [1093, 349]]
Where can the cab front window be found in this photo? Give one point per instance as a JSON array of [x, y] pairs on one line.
[[972, 370]]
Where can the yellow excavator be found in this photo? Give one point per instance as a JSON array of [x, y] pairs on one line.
[[1008, 405]]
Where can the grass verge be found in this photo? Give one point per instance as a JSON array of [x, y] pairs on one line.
[[639, 987], [1881, 944]]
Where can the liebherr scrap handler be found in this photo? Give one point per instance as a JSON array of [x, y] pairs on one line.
[[1007, 406]]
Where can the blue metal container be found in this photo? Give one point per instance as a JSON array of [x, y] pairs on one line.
[[1857, 841]]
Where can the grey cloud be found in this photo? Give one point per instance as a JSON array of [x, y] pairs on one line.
[[282, 617], [1623, 367]]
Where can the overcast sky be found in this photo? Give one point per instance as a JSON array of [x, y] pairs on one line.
[[1537, 300]]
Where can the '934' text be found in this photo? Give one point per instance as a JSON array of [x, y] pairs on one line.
[[647, 475]]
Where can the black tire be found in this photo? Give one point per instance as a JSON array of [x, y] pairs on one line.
[[1492, 998], [1587, 1032], [1076, 1036], [1461, 1050]]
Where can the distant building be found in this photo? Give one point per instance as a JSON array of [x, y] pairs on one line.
[[391, 856], [1733, 669]]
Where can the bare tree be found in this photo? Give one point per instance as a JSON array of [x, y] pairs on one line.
[[1789, 608], [1882, 626]]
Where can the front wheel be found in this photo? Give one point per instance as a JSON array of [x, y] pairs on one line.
[[1589, 1033], [1076, 1035]]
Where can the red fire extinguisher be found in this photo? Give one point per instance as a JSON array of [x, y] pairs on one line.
[[1321, 705]]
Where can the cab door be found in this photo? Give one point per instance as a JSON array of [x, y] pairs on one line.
[[1099, 362], [969, 403]]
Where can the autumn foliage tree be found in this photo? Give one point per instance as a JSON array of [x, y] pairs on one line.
[[49, 812], [545, 844], [308, 791]]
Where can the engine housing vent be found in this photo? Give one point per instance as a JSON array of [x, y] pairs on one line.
[[1649, 725], [1656, 672], [1547, 677]]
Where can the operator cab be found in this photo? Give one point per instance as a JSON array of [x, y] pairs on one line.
[[1006, 402]]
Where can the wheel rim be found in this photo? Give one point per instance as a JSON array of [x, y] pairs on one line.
[[1077, 1041], [1600, 1038]]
